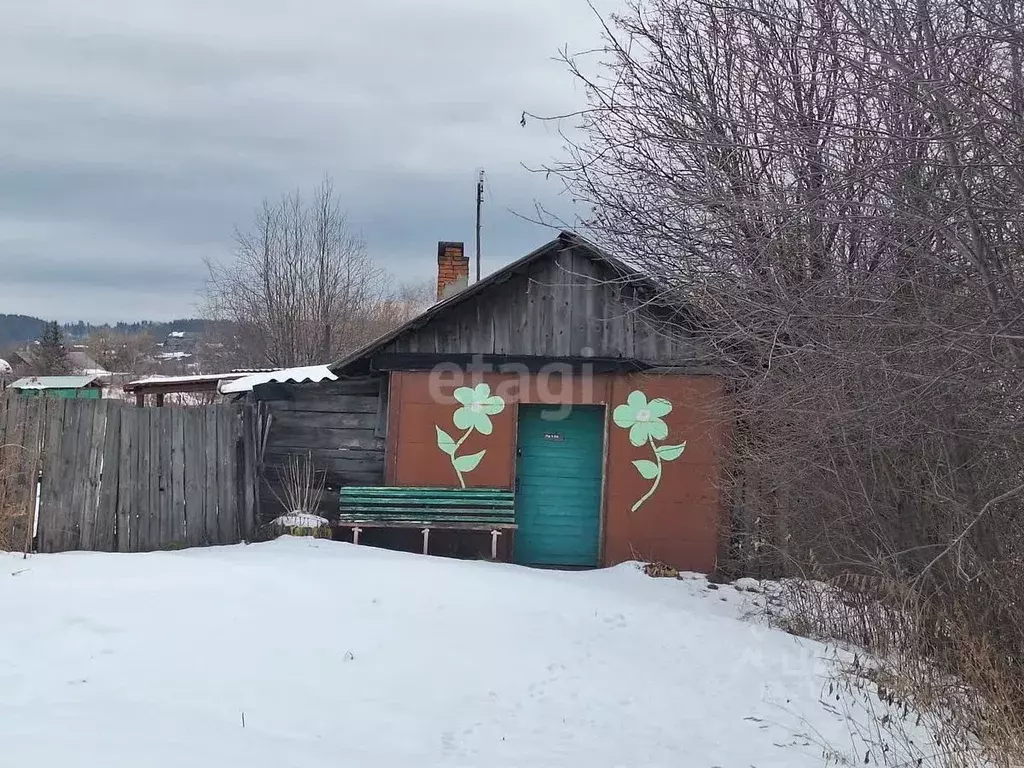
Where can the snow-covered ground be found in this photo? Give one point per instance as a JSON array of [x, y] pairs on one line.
[[304, 652]]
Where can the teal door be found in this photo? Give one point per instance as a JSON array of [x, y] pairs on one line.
[[558, 486]]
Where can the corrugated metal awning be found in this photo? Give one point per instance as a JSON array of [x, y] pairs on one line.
[[307, 373]]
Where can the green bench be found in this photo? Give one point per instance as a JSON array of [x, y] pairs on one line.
[[467, 509]]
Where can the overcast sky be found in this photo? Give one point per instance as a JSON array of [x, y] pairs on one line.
[[135, 135]]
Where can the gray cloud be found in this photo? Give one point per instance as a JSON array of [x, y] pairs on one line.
[[135, 136]]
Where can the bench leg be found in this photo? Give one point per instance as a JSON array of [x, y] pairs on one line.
[[355, 535], [494, 544], [426, 539]]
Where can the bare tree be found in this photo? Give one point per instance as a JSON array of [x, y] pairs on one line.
[[121, 352], [300, 286], [404, 303], [837, 189]]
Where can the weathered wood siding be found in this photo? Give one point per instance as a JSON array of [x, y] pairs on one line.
[[341, 425], [113, 477], [568, 305]]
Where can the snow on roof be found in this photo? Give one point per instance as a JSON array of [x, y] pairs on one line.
[[194, 379], [298, 375], [5, 367], [55, 382]]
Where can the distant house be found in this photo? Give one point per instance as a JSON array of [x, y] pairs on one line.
[[176, 354], [80, 362], [88, 387], [181, 341], [21, 363], [83, 364]]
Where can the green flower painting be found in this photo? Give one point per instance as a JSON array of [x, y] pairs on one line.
[[476, 406], [646, 424]]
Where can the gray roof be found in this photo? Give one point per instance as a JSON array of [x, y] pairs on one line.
[[56, 382], [82, 361], [78, 360]]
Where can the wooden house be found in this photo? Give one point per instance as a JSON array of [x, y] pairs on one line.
[[559, 380]]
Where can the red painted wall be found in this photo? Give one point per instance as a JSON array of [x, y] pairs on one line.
[[676, 525]]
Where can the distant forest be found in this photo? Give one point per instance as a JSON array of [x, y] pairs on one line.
[[17, 330]]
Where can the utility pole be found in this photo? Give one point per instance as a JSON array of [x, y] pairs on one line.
[[479, 203]]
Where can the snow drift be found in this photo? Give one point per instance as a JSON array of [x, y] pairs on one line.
[[304, 652]]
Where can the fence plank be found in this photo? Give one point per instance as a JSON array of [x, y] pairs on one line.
[[226, 517], [147, 469], [127, 466], [224, 526], [64, 480], [47, 531], [83, 508], [161, 453], [106, 515], [96, 416], [101, 409], [140, 522], [162, 476], [195, 476], [81, 463], [178, 477], [34, 424], [162, 450], [224, 523], [71, 492], [60, 479], [248, 473], [212, 477]]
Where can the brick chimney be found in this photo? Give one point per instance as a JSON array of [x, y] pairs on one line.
[[452, 269]]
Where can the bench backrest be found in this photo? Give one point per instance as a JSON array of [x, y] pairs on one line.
[[455, 505]]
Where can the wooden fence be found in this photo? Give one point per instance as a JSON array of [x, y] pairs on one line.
[[115, 477]]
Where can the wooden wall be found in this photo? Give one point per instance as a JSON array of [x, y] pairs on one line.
[[677, 525], [567, 305], [341, 425]]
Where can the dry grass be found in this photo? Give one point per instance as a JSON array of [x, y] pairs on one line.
[[17, 498], [661, 571], [926, 669], [300, 486], [19, 471]]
